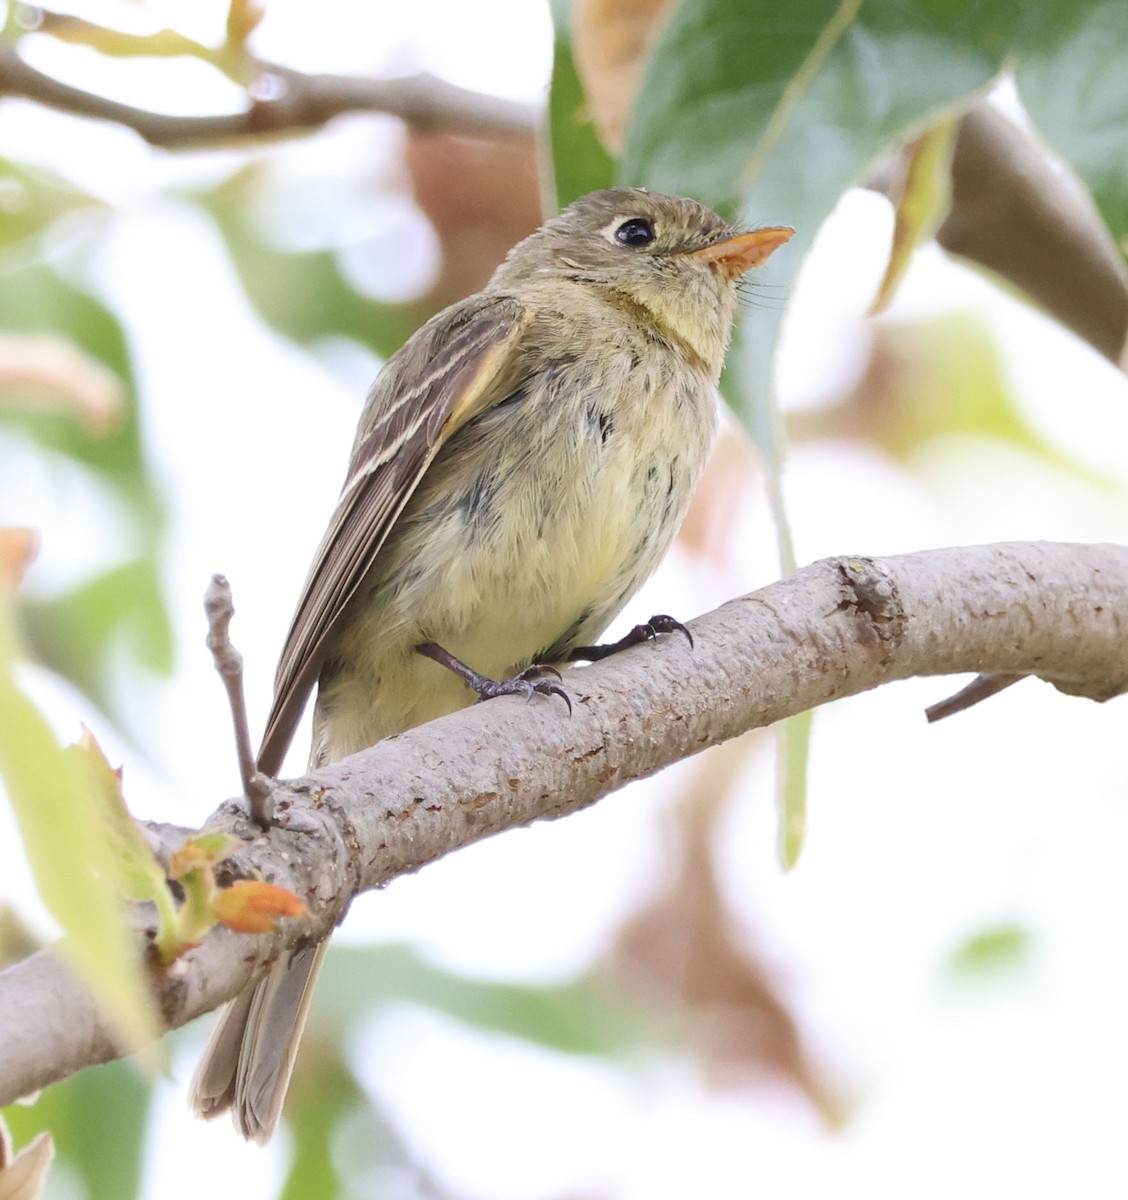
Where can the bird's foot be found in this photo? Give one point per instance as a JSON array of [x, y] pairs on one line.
[[528, 683], [647, 632]]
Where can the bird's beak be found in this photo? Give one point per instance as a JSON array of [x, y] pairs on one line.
[[735, 255]]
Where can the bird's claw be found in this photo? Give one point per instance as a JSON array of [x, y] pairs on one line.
[[528, 684], [661, 623]]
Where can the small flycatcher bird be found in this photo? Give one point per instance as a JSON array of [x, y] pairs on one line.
[[520, 467]]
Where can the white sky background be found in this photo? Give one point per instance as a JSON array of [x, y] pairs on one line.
[[919, 837]]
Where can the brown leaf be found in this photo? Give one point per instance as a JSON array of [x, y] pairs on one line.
[[22, 1177], [731, 474], [481, 196], [251, 906], [682, 949], [610, 40], [1021, 214], [18, 548], [47, 371]]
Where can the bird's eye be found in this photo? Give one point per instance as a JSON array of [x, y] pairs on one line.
[[638, 231]]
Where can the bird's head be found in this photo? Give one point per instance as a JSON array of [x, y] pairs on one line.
[[674, 261]]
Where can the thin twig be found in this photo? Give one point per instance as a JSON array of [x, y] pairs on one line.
[[220, 608], [982, 687], [287, 102]]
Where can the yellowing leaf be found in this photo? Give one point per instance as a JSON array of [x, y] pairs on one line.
[[251, 906], [65, 835], [926, 196], [243, 18], [203, 850]]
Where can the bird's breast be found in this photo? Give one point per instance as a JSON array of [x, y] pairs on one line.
[[558, 503], [535, 524]]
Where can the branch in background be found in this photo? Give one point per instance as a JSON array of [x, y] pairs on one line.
[[1014, 213], [837, 628], [1011, 210], [303, 102]]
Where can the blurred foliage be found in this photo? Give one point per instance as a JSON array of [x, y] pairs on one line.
[[769, 119], [323, 1093], [932, 379], [585, 1017], [86, 632], [83, 632], [302, 294], [992, 953], [97, 1119], [31, 201]]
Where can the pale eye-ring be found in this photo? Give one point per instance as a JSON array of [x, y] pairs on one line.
[[638, 231]]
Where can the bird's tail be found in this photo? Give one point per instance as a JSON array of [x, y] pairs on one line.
[[250, 1057]]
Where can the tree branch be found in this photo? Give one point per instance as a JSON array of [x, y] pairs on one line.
[[303, 102], [837, 628]]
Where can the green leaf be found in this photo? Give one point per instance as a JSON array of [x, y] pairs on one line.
[[32, 198], [70, 853], [78, 634], [97, 1119], [794, 739], [1000, 950], [37, 298], [323, 1092], [1073, 82], [580, 164], [579, 1018], [136, 874], [777, 117]]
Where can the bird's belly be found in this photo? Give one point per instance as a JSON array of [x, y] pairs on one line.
[[504, 560]]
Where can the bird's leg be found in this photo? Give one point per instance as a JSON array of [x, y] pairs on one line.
[[640, 633], [528, 683]]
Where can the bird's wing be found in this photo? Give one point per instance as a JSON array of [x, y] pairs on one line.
[[456, 366]]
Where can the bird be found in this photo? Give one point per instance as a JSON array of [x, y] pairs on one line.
[[520, 467]]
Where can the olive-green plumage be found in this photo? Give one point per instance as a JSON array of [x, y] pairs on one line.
[[519, 469]]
